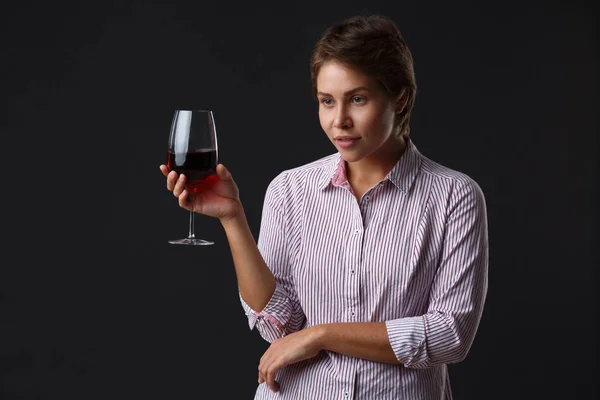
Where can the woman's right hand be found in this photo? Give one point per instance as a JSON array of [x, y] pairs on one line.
[[217, 196]]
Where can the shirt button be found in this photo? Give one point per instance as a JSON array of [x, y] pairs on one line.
[[368, 198], [346, 394], [352, 313], [352, 272], [356, 232]]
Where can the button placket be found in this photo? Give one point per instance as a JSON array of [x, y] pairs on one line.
[[353, 260]]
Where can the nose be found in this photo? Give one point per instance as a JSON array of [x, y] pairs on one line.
[[342, 119]]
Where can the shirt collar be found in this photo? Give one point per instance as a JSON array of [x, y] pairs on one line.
[[402, 175]]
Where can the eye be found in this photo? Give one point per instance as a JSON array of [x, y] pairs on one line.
[[358, 99], [327, 102]]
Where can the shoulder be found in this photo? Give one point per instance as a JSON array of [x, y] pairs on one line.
[[457, 184], [289, 185], [307, 174]]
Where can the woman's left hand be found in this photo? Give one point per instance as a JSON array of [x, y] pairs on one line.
[[290, 349]]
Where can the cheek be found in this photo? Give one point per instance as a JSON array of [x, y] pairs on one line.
[[324, 121], [381, 122], [369, 121]]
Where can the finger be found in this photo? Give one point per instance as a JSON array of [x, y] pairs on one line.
[[261, 373], [271, 372], [263, 367], [171, 180], [164, 169], [265, 362], [183, 200], [179, 185], [261, 377]]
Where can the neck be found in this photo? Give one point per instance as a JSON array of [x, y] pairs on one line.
[[373, 168]]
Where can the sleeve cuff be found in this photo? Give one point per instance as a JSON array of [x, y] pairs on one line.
[[270, 321], [407, 338]]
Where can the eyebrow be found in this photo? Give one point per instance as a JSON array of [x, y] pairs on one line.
[[346, 93]]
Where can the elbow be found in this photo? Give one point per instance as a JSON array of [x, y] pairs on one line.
[[459, 354], [458, 351], [452, 349]]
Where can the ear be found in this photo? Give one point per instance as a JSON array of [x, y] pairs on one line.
[[401, 101]]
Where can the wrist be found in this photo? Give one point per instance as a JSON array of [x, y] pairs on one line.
[[319, 334], [234, 219]]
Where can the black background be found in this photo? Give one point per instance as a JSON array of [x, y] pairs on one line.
[[94, 304]]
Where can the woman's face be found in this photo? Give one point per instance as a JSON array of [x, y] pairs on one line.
[[355, 113]]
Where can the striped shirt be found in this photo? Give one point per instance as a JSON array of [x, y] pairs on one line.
[[413, 253]]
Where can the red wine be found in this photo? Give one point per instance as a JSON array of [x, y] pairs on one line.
[[196, 166]]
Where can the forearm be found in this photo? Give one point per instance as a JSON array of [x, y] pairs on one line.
[[255, 280], [367, 340]]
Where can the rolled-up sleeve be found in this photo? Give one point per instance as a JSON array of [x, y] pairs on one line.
[[446, 332], [282, 314]]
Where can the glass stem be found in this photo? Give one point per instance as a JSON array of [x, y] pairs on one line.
[[191, 235]]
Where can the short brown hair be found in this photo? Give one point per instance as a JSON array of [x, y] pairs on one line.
[[374, 45]]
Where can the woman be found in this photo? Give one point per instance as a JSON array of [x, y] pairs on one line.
[[370, 272]]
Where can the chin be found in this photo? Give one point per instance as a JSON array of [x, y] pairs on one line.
[[350, 156]]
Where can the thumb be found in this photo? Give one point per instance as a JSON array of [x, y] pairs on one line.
[[223, 173]]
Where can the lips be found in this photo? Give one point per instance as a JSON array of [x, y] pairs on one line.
[[346, 141]]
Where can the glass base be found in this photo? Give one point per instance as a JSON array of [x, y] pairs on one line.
[[192, 242]]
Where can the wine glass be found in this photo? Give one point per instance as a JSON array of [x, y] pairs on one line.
[[193, 152]]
